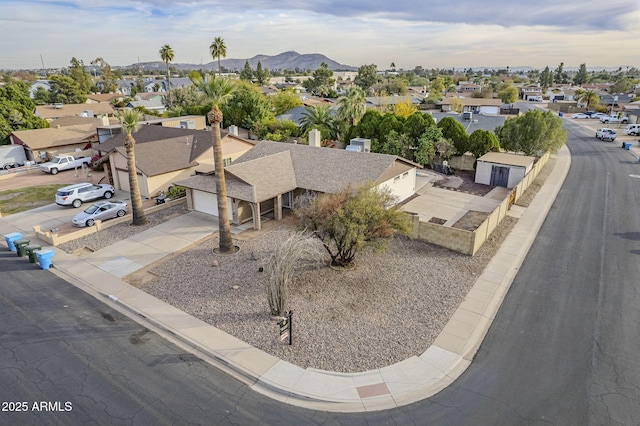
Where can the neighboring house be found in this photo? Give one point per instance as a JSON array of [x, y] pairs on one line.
[[274, 175], [108, 98], [154, 104], [52, 112], [40, 144], [39, 83], [474, 105], [530, 93], [385, 101], [195, 122], [166, 154], [502, 169]]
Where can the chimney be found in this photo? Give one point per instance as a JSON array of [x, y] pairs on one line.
[[233, 130], [315, 138]]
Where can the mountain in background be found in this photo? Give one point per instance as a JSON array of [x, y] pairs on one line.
[[284, 61]]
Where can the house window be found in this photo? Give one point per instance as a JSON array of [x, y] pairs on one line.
[[395, 179], [405, 174], [226, 161]]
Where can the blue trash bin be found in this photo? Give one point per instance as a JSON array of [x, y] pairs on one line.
[[44, 258], [627, 145], [10, 238]]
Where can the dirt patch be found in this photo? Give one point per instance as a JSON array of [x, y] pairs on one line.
[[82, 251], [471, 220], [437, 221], [464, 181]]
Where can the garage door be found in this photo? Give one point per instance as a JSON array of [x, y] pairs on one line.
[[489, 110], [123, 178], [205, 202]]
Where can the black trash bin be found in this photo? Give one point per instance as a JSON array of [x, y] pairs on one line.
[[31, 250], [20, 246]]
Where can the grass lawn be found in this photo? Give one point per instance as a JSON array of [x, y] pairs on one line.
[[18, 200]]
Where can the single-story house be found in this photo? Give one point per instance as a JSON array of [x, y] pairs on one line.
[[40, 144], [165, 155], [274, 175], [474, 105], [502, 169]]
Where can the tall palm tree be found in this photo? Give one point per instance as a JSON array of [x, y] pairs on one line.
[[218, 49], [166, 53], [589, 98], [352, 105], [318, 116], [218, 91], [130, 121]]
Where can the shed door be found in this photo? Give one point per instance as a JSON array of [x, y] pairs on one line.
[[499, 176]]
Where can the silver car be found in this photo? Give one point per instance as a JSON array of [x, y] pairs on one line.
[[75, 195], [100, 211]]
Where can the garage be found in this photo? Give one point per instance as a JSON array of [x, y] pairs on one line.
[[489, 110], [207, 202]]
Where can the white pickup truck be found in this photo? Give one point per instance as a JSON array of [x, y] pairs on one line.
[[64, 162], [614, 119]]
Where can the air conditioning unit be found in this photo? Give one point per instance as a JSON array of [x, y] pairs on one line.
[[361, 142], [353, 148]]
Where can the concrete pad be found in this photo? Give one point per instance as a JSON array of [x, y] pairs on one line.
[[411, 374], [120, 267], [458, 328], [440, 358], [326, 386], [450, 342], [282, 375]]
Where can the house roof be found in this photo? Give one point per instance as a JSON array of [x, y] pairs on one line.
[[472, 101], [176, 155], [509, 159], [66, 110], [272, 168], [103, 97], [42, 139]]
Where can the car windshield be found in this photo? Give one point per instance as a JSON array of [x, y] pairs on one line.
[[91, 209]]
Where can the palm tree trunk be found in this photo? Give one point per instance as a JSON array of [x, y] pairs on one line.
[[226, 243], [139, 217], [168, 84], [219, 71]]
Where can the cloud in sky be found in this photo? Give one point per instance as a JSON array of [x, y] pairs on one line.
[[433, 34]]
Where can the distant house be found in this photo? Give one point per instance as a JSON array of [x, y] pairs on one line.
[[273, 175], [51, 112], [502, 169], [384, 101], [154, 103], [96, 98], [44, 84], [165, 154], [474, 105]]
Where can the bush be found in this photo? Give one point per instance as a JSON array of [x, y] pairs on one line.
[[176, 191]]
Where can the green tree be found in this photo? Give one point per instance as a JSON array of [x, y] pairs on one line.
[[217, 91], [261, 75], [367, 77], [321, 82], [622, 85], [218, 49], [369, 128], [582, 76], [130, 121], [435, 91], [107, 76], [247, 72], [455, 132], [276, 130], [80, 75], [426, 151], [318, 117], [166, 54], [17, 110], [415, 125], [284, 100], [353, 220], [560, 75], [483, 141], [352, 105], [390, 122], [589, 98], [41, 96], [508, 95], [546, 78], [532, 133], [65, 90], [247, 106]]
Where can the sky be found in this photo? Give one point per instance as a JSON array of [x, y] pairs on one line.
[[408, 33]]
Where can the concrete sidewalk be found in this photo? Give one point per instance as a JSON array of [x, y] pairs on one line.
[[399, 384]]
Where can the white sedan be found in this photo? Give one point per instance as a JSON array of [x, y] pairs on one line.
[[579, 115]]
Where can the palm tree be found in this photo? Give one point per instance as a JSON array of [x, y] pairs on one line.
[[352, 105], [317, 116], [130, 121], [218, 91], [166, 53], [218, 49], [589, 98]]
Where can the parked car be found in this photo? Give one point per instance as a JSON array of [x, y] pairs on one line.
[[589, 113], [606, 134], [614, 119], [579, 115], [102, 210], [598, 115], [75, 195], [632, 129]]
